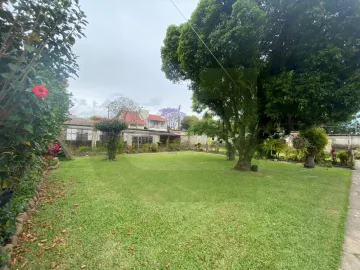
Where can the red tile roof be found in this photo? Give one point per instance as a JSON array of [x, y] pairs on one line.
[[156, 118], [130, 118]]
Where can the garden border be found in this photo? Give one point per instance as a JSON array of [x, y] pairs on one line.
[[23, 217]]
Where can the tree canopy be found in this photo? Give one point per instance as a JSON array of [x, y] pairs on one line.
[[173, 116], [189, 121], [288, 63]]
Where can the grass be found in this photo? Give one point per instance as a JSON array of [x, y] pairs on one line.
[[191, 211]]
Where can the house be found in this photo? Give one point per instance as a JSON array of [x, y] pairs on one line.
[[144, 120], [144, 127], [80, 131]]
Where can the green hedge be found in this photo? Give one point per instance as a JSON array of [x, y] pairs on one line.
[[23, 191]]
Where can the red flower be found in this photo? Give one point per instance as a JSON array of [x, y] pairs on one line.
[[40, 91]]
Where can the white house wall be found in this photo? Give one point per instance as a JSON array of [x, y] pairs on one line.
[[192, 140]]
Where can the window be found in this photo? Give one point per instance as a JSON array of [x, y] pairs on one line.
[[142, 140]]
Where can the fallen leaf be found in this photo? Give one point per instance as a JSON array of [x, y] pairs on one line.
[[113, 233], [24, 264], [73, 212], [40, 253], [14, 261], [83, 266], [64, 231], [132, 249], [25, 250], [168, 265], [43, 241], [76, 205], [53, 265], [40, 244], [128, 234]]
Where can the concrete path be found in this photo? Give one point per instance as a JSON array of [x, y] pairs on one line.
[[351, 254]]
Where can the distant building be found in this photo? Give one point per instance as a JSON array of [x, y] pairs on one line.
[[80, 131]]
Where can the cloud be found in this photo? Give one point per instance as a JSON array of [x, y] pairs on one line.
[[121, 55]]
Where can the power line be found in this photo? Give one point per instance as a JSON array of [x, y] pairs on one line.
[[187, 21]]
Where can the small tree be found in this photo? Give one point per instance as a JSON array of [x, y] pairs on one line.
[[312, 141], [112, 128]]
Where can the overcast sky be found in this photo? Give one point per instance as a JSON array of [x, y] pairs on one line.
[[121, 55]]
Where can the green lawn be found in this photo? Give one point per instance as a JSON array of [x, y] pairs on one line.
[[191, 211]]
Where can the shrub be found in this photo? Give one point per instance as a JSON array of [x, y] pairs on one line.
[[357, 154], [154, 147], [112, 128], [300, 143], [287, 151], [322, 157], [344, 157], [23, 190], [317, 139], [83, 149], [273, 146], [145, 148], [122, 145]]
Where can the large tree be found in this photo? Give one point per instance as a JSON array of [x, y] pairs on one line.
[[293, 63], [189, 121]]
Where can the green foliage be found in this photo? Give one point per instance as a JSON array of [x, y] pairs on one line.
[[113, 129], [237, 44], [36, 40], [273, 146], [317, 139], [322, 157], [317, 80], [300, 143], [344, 157], [23, 191], [288, 151], [154, 147], [297, 156], [357, 154], [175, 145], [281, 65], [188, 122], [122, 145], [83, 149], [111, 126], [145, 148]]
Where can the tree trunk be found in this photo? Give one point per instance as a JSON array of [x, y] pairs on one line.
[[310, 162], [230, 151], [243, 164]]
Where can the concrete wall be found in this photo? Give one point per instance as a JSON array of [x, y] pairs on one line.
[[194, 139], [345, 141]]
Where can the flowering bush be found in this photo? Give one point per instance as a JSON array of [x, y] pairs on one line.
[[34, 71], [54, 150]]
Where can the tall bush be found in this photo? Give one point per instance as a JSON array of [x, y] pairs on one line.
[[112, 128], [36, 60], [313, 141]]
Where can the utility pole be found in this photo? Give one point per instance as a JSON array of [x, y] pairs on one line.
[[179, 117]]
